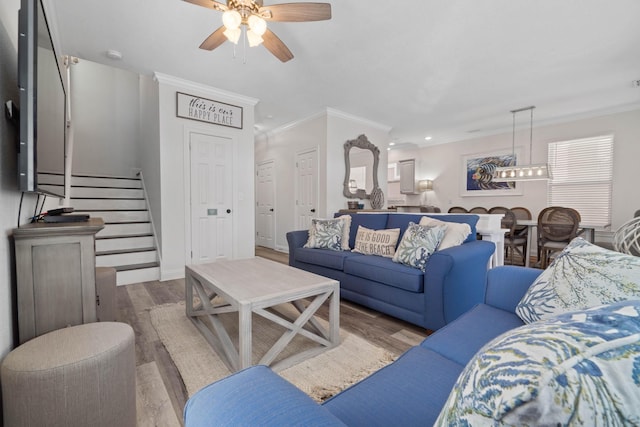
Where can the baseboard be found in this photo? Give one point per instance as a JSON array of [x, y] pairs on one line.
[[171, 274]]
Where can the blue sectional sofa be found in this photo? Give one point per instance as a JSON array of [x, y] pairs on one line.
[[409, 392], [453, 281]]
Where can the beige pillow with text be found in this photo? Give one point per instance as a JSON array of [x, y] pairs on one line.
[[376, 242]]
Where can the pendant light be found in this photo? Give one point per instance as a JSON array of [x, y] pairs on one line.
[[531, 172]]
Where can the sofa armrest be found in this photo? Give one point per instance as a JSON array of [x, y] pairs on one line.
[[296, 239], [255, 396], [455, 280], [506, 285]]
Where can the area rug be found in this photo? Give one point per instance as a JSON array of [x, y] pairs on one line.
[[320, 376]]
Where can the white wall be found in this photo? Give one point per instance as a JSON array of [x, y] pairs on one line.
[[327, 132], [149, 151], [172, 171], [443, 164], [106, 117]]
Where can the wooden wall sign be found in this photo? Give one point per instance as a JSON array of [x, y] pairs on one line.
[[207, 110]]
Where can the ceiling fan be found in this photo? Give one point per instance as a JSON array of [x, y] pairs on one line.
[[253, 16]]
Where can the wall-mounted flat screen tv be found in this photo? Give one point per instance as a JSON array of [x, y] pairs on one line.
[[42, 146]]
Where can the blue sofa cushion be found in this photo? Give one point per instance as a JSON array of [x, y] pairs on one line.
[[225, 403], [461, 339], [384, 270], [370, 221], [324, 257], [409, 392]]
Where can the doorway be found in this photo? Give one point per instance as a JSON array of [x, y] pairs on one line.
[[306, 188], [211, 197], [265, 204]]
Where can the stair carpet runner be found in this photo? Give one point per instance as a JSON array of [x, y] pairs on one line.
[[126, 242]]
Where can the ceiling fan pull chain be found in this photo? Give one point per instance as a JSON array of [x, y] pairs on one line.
[[244, 45]]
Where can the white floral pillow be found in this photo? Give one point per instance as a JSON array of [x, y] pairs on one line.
[[580, 368], [417, 244], [325, 234], [583, 275], [455, 232]]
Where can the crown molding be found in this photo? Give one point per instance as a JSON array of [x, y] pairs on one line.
[[211, 91], [332, 112], [290, 125], [328, 112]]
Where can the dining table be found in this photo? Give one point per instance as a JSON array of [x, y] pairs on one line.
[[585, 230]]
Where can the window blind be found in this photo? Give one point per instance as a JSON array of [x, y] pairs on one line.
[[581, 177]]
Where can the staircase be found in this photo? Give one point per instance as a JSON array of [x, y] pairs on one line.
[[126, 242]]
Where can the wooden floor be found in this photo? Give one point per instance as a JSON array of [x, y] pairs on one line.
[[161, 395]]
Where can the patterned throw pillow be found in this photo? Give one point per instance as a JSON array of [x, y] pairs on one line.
[[580, 368], [583, 275], [417, 245], [455, 232], [325, 234], [346, 228], [376, 242]]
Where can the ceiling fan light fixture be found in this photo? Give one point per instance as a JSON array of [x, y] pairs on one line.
[[231, 19], [257, 24], [253, 38], [233, 34]]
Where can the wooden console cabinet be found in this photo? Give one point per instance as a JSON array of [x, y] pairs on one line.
[[55, 269]]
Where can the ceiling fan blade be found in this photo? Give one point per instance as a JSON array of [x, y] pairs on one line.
[[210, 4], [296, 12], [214, 40], [276, 46]]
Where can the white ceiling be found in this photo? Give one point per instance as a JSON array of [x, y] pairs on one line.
[[451, 69]]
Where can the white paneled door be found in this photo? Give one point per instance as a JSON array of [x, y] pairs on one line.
[[211, 197], [265, 202], [306, 188]]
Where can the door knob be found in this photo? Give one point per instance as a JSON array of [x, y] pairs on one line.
[[271, 210], [313, 210], [228, 210]]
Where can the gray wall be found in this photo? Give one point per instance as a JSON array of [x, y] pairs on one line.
[[106, 117]]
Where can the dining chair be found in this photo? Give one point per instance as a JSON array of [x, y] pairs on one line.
[[557, 226], [457, 209], [514, 244], [430, 209], [479, 210], [522, 214]]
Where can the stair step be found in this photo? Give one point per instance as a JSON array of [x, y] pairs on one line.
[[127, 257], [122, 236], [114, 243], [81, 204], [105, 181], [125, 251], [136, 266], [138, 275], [118, 215], [125, 229], [106, 193], [50, 179]]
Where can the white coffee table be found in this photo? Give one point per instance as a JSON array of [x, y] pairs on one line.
[[253, 285]]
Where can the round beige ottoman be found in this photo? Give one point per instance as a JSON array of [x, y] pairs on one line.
[[78, 376]]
